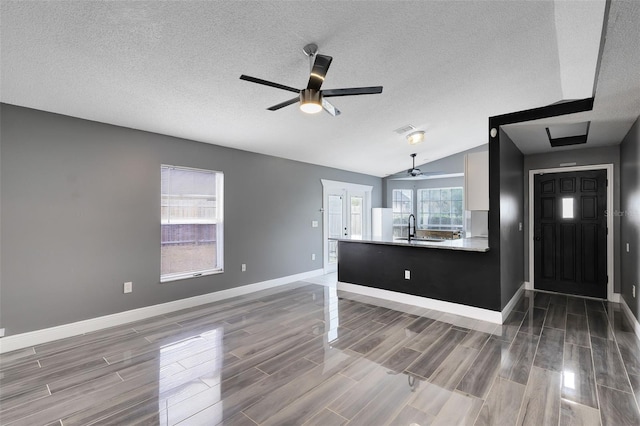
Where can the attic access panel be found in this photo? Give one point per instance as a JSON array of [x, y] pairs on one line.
[[568, 134]]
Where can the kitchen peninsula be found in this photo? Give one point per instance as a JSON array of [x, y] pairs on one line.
[[479, 282], [449, 270]]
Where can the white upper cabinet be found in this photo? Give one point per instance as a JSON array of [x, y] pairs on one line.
[[476, 181]]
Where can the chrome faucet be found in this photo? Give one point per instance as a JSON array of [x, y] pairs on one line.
[[411, 234]]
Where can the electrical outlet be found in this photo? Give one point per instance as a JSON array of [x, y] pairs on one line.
[[244, 267], [1, 332], [128, 287], [314, 223], [407, 274], [313, 256]]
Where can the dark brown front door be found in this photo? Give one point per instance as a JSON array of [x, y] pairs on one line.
[[570, 232]]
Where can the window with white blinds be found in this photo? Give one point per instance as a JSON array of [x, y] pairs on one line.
[[440, 208], [191, 222], [402, 204]]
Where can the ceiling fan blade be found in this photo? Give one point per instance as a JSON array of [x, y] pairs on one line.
[[284, 104], [268, 83], [319, 71], [328, 106], [406, 178], [429, 175], [352, 91]]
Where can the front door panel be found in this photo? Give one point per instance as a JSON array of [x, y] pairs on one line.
[[570, 233]]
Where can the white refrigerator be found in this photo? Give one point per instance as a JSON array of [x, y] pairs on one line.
[[382, 223]]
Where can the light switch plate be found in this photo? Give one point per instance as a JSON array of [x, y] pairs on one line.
[[407, 274], [314, 223], [627, 247], [128, 287]]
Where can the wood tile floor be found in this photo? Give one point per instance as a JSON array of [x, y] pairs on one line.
[[307, 354]]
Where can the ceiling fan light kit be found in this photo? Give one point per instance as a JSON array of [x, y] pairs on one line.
[[310, 101], [416, 137], [312, 98]]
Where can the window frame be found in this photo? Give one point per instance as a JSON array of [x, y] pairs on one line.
[[402, 213], [218, 221], [419, 212]]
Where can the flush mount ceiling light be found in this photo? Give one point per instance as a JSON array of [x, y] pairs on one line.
[[310, 101], [416, 137]]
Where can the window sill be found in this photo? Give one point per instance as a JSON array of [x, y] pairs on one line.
[[179, 277]]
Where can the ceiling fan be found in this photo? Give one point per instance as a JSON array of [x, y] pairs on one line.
[[312, 99], [416, 174], [413, 172]]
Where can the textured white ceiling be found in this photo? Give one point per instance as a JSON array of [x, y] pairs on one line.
[[174, 67], [617, 98]]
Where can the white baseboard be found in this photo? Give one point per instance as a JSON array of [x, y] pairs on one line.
[[632, 319], [32, 338], [613, 297], [425, 302], [509, 307]]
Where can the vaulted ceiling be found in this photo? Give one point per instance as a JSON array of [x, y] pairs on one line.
[[174, 68]]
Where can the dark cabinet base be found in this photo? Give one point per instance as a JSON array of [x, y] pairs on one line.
[[464, 277]]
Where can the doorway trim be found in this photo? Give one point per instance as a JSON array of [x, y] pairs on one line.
[[329, 186], [611, 296]]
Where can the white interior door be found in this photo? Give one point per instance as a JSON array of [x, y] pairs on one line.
[[347, 214], [356, 215], [336, 226]]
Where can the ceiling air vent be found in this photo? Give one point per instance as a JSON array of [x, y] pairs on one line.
[[568, 134], [404, 129]]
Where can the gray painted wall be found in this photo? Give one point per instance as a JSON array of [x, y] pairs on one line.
[[582, 157], [630, 217], [451, 164], [80, 215], [511, 217]]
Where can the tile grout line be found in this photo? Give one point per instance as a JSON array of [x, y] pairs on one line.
[[624, 365], [593, 362], [484, 400], [258, 368], [329, 409], [618, 390], [511, 343], [470, 364], [249, 417], [534, 356], [564, 352]]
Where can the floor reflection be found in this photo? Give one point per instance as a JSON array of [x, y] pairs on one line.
[[310, 354], [192, 366]]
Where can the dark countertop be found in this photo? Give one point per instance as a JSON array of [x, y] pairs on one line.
[[478, 244]]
